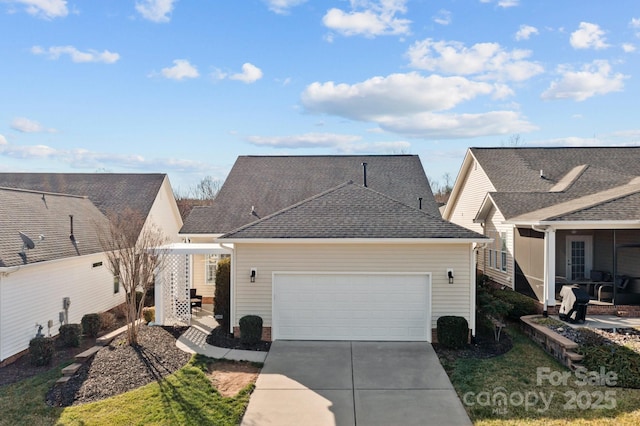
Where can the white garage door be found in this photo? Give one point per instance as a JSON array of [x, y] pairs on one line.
[[352, 307]]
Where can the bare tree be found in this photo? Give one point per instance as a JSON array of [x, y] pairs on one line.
[[514, 141], [202, 194], [131, 247]]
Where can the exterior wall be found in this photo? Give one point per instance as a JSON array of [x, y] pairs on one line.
[[529, 261], [165, 214], [473, 189], [493, 229], [33, 294], [447, 299]]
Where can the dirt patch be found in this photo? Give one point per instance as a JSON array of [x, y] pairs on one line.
[[230, 377]]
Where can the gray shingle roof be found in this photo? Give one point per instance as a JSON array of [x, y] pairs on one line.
[[108, 191], [515, 173], [352, 211], [30, 213], [272, 183]]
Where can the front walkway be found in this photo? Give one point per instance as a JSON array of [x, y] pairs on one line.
[[194, 340], [353, 383]]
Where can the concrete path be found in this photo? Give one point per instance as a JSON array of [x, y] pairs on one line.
[[194, 340], [604, 321], [353, 383]]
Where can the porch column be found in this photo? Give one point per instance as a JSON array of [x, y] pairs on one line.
[[549, 292]]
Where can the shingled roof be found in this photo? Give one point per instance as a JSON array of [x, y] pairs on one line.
[[108, 191], [529, 181], [271, 183], [352, 211], [35, 214]]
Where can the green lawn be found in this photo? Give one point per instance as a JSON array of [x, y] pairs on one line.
[[184, 398], [480, 382]]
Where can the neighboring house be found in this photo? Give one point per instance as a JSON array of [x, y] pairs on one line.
[[60, 256], [556, 215], [320, 257]]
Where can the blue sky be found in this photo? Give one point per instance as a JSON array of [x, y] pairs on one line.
[[184, 87]]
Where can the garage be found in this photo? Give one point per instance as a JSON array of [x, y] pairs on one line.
[[352, 306]]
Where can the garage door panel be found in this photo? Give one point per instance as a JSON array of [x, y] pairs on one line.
[[351, 307]]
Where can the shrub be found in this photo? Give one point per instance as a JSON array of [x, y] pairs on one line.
[[70, 335], [107, 320], [621, 360], [222, 298], [149, 314], [91, 324], [250, 329], [453, 332], [41, 350], [520, 304], [120, 311]]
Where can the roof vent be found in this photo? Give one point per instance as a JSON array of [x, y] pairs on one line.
[[254, 213], [364, 176], [71, 236], [420, 203], [542, 174]]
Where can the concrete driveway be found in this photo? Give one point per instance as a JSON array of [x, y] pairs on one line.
[[353, 383]]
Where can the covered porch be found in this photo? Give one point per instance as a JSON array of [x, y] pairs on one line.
[[174, 282], [604, 261]]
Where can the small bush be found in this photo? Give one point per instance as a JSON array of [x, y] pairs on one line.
[[41, 350], [70, 335], [453, 332], [107, 320], [621, 360], [222, 296], [91, 325], [250, 329], [149, 314], [120, 311], [521, 305]]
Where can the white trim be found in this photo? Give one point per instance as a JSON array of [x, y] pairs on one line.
[[355, 240], [274, 328], [588, 254], [194, 248], [472, 292], [578, 224]]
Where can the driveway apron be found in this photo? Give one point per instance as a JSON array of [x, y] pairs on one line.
[[353, 383]]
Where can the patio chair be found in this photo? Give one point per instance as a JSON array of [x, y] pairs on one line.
[[196, 299], [605, 291]]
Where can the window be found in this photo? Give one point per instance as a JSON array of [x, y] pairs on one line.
[[498, 252], [116, 284], [210, 266], [503, 254]]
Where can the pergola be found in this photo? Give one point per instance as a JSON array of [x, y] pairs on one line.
[[172, 298]]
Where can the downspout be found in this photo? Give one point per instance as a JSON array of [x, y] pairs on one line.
[[232, 290]]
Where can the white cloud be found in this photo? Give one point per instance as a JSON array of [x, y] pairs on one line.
[[503, 3], [628, 47], [155, 10], [54, 52], [25, 125], [405, 103], [282, 7], [3, 140], [525, 32], [338, 142], [180, 70], [46, 9], [369, 18], [486, 60], [593, 79], [588, 36], [443, 17], [635, 24], [394, 94], [250, 74]]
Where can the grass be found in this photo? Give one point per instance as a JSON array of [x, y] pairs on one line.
[[514, 374], [185, 397]]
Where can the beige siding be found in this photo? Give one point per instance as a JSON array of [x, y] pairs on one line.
[[164, 213], [34, 294], [473, 189], [447, 299], [199, 277], [494, 228]]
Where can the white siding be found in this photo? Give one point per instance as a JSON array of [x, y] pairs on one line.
[[33, 294], [447, 299], [472, 190], [494, 227]]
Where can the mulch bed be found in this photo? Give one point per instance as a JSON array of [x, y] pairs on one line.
[[119, 368], [220, 337], [629, 337], [485, 346]]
